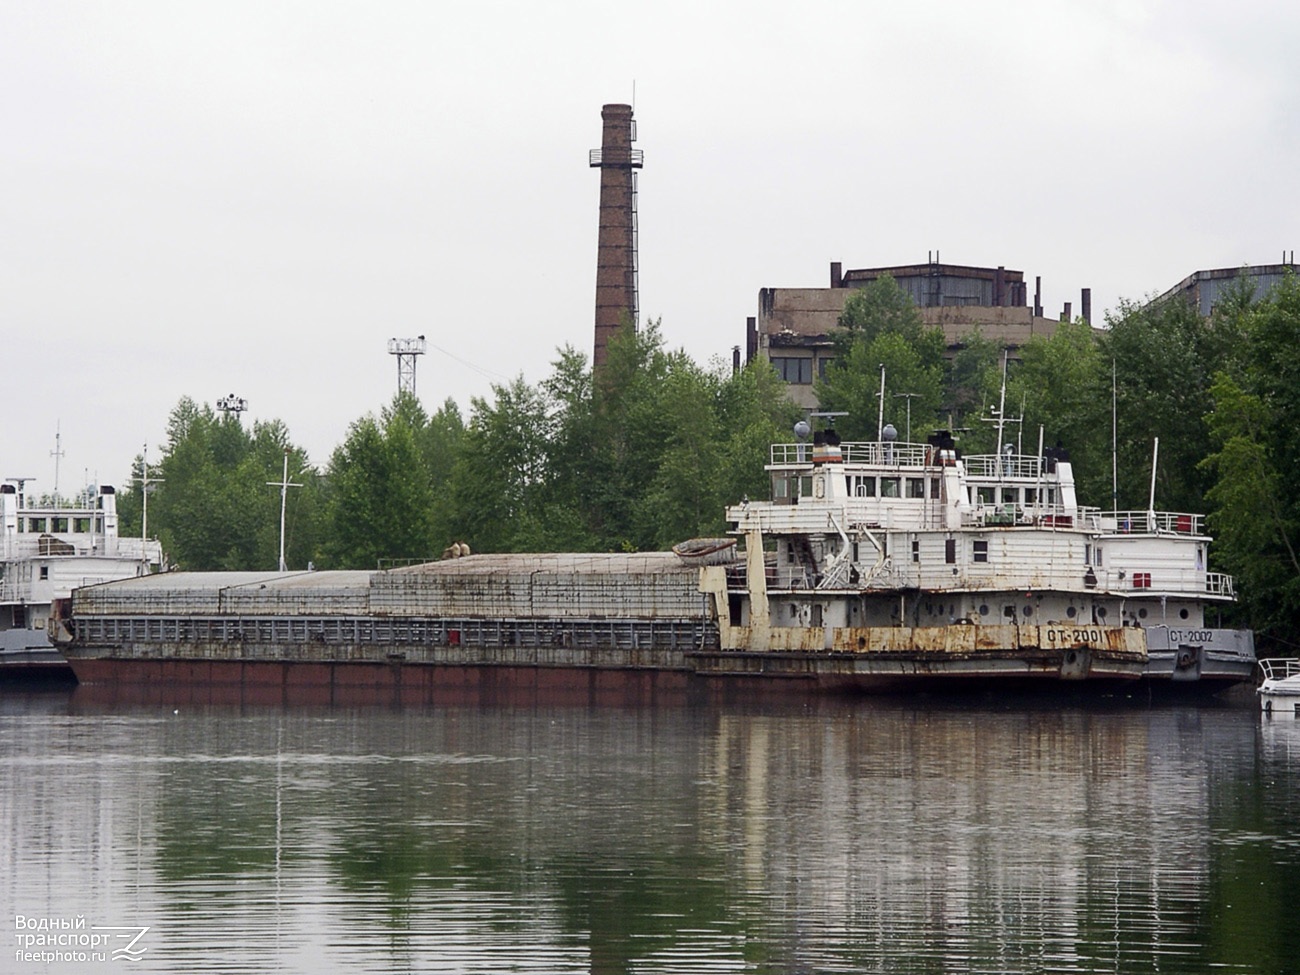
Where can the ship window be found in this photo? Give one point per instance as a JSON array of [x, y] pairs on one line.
[[1009, 612], [950, 550], [1031, 495], [36, 524], [984, 609], [19, 617], [1096, 552], [58, 524], [980, 551], [1010, 495], [1101, 612], [1142, 614], [985, 495], [889, 487], [1182, 614], [789, 554], [862, 486], [916, 550], [45, 572], [780, 487], [916, 487], [805, 486], [1027, 610], [1071, 612], [81, 525], [934, 487], [1087, 555]]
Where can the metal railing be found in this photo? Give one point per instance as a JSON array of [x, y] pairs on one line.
[[340, 631], [1152, 523]]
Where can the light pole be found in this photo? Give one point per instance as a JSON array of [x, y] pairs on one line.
[[909, 397], [283, 484]]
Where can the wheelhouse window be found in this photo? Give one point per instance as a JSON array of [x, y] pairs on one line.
[[984, 495], [862, 486], [916, 487], [889, 487], [980, 551]]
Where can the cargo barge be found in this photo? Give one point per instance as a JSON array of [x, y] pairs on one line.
[[874, 567]]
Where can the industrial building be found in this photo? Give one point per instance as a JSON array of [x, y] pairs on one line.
[[793, 327], [1204, 288]]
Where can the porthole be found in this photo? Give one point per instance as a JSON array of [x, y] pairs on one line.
[[1071, 612], [1028, 611], [1183, 614], [1142, 614], [1101, 612], [984, 609]]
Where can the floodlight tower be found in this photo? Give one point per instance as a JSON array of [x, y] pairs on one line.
[[406, 350], [232, 404]]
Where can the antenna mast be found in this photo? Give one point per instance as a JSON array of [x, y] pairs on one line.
[[57, 453]]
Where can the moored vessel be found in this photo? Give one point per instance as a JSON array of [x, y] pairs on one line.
[[48, 548], [1279, 691], [873, 567]]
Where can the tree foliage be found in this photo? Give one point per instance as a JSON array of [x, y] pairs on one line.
[[210, 503], [1254, 461]]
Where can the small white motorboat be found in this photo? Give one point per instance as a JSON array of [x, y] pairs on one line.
[[1280, 689]]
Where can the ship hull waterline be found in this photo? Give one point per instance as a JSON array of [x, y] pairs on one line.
[[760, 672]]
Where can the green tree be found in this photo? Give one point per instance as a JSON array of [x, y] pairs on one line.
[[381, 502], [211, 506], [1165, 356], [1255, 460], [881, 328], [1064, 386]]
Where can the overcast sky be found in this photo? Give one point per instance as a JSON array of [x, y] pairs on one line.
[[252, 198]]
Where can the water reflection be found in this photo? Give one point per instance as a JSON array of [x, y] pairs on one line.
[[820, 837]]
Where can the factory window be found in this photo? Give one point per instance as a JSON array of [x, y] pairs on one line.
[[980, 552], [822, 365], [793, 370]]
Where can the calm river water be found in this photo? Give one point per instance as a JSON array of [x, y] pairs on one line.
[[829, 836]]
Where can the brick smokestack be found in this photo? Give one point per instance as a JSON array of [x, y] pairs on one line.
[[616, 259]]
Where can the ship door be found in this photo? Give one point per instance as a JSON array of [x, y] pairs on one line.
[[816, 614]]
